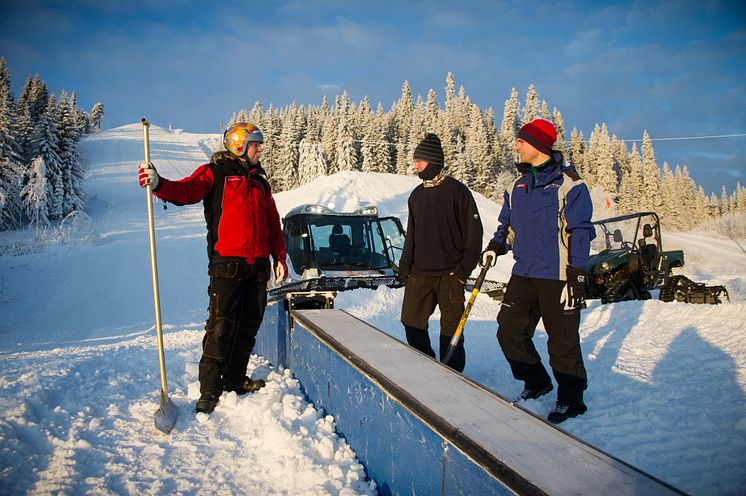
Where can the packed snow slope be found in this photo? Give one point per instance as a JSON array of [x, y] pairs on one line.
[[79, 375]]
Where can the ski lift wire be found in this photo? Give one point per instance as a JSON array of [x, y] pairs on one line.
[[680, 138]]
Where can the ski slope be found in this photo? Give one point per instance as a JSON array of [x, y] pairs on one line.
[[79, 375]]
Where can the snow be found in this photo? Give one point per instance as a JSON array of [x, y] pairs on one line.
[[79, 375]]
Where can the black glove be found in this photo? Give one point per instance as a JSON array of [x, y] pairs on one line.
[[573, 294], [401, 275], [494, 250]]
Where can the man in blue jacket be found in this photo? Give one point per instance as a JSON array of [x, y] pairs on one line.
[[546, 221]]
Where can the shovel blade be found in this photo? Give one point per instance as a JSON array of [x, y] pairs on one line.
[[165, 417]]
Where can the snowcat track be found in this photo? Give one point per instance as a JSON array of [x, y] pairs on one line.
[[494, 289], [681, 288]]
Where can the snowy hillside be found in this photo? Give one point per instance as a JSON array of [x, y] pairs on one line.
[[79, 374]]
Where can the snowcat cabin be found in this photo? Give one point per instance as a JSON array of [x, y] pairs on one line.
[[322, 241]]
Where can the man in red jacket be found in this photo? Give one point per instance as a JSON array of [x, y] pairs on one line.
[[243, 231]]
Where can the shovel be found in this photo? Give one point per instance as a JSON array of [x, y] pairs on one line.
[[467, 311], [165, 417]]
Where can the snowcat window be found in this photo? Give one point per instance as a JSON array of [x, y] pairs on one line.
[[394, 236], [346, 242], [294, 244]]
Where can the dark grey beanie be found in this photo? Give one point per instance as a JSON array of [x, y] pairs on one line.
[[431, 152]]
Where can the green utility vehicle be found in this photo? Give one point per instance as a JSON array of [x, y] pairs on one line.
[[629, 262]]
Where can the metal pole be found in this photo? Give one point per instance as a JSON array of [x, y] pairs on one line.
[[477, 286], [165, 417]]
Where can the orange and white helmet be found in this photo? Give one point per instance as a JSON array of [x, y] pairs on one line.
[[238, 136]]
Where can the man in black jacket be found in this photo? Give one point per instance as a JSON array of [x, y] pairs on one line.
[[442, 246]]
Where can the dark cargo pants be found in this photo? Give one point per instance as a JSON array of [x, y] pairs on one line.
[[526, 301], [421, 295], [238, 297]]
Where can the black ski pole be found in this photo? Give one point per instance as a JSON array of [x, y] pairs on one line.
[[467, 310]]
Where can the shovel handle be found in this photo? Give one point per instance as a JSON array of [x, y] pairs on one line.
[[154, 264], [467, 311]]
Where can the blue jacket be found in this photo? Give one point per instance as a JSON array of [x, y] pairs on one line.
[[546, 220]]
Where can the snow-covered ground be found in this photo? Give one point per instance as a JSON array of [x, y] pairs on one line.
[[79, 374]]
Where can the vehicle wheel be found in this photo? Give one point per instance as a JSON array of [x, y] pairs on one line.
[[619, 290]]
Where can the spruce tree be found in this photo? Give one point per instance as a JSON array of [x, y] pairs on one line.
[[34, 195], [311, 162], [479, 155], [329, 141], [402, 121], [531, 106], [432, 112], [97, 113], [559, 124], [509, 127], [382, 150], [11, 172], [69, 132], [545, 111], [577, 154], [631, 187], [650, 175], [604, 173], [667, 192], [286, 157], [45, 141], [346, 154]]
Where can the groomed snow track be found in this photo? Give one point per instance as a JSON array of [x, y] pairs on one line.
[[421, 428]]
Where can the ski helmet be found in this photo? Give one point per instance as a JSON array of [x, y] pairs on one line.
[[237, 137]]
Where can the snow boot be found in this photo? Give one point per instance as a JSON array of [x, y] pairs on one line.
[[248, 386], [533, 393], [206, 403], [564, 411]]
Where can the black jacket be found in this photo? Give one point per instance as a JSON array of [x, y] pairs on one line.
[[444, 231]]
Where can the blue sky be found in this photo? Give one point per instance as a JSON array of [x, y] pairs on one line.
[[674, 68]]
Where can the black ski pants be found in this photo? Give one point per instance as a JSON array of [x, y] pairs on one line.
[[421, 295], [238, 297], [526, 301]]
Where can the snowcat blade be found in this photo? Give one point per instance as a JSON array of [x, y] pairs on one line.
[[165, 417]]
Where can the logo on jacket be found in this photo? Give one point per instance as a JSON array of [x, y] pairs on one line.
[[520, 185]]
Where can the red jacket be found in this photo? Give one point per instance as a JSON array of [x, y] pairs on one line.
[[241, 215]]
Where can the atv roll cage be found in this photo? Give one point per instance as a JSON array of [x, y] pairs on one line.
[[630, 262]]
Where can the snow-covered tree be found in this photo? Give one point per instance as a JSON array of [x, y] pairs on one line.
[[602, 160], [509, 127], [286, 157], [346, 152], [577, 154], [11, 172], [559, 123], [668, 200], [479, 156], [402, 120], [97, 113], [34, 194], [72, 168], [531, 107], [630, 186], [311, 162], [650, 176]]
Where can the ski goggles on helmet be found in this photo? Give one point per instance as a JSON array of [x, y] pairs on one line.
[[237, 137]]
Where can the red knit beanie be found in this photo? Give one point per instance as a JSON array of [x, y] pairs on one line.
[[540, 134]]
